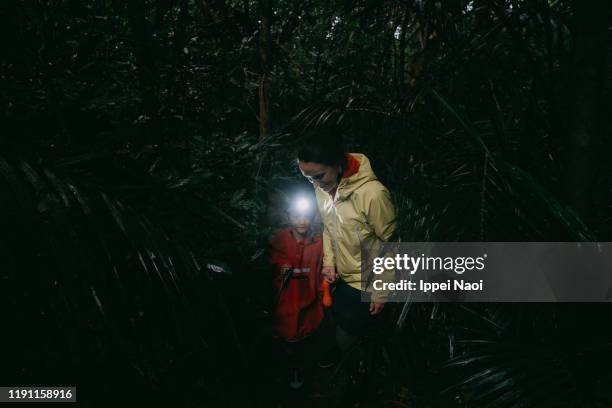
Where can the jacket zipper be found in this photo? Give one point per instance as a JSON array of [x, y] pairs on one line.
[[335, 243]]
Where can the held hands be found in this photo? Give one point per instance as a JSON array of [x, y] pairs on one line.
[[329, 273]]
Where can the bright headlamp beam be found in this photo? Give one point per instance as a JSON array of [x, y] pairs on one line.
[[302, 205]]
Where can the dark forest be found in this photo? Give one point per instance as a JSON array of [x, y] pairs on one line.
[[146, 147]]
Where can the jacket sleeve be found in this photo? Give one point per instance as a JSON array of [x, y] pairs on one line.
[[381, 216], [278, 251], [380, 213], [328, 249], [278, 258]]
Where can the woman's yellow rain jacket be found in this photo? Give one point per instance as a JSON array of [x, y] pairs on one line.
[[361, 211]]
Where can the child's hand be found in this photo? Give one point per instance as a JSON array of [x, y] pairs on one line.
[[329, 273], [282, 272]]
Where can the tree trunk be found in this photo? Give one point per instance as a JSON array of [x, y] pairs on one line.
[[584, 133], [265, 11], [145, 66], [400, 86]]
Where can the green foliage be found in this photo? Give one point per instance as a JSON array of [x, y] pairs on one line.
[[139, 121], [122, 308]]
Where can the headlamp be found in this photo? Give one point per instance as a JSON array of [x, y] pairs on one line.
[[302, 206]]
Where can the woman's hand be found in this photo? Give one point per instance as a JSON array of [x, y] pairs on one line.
[[376, 308], [329, 273]]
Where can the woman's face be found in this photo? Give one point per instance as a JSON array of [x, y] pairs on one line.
[[321, 175]]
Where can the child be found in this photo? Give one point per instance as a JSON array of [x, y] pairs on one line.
[[296, 253]]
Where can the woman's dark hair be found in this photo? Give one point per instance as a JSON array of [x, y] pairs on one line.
[[323, 146]]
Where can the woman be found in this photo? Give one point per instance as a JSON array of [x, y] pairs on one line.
[[356, 209]]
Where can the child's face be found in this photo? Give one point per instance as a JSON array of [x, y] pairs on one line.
[[300, 222]]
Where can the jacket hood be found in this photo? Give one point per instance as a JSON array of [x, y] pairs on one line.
[[348, 185]]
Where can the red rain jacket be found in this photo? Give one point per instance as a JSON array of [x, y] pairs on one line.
[[299, 308]]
